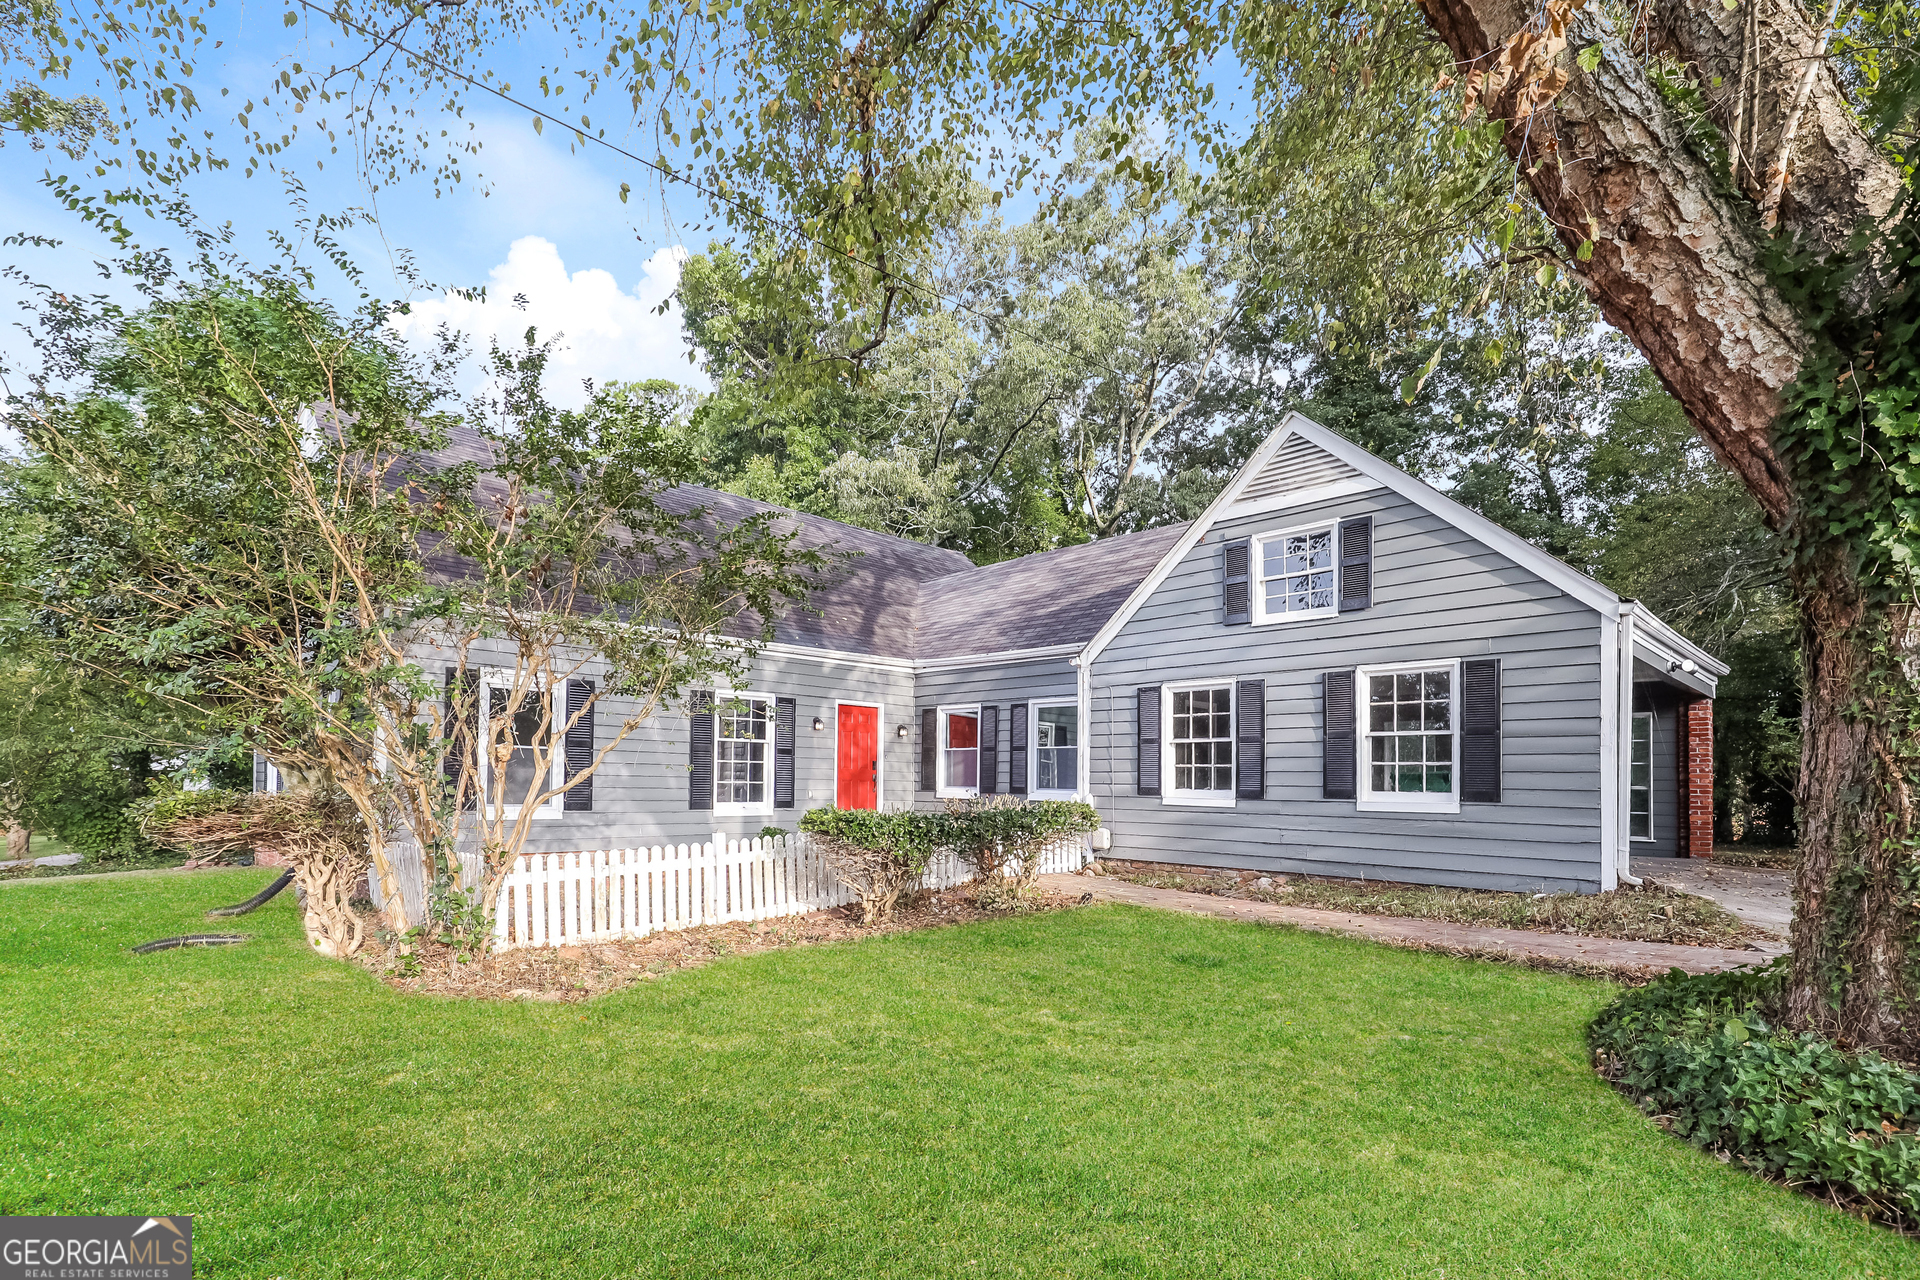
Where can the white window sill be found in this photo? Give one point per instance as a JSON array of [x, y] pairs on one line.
[[1053, 795], [742, 810], [511, 813], [1641, 839], [1199, 799], [1374, 804], [1318, 615], [958, 793]]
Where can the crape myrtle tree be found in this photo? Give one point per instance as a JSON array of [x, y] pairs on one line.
[[243, 503], [1728, 182]]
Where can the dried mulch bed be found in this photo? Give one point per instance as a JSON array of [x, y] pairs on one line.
[[1650, 914], [574, 973]]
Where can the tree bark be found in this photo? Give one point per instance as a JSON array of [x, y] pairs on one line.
[[19, 841], [1677, 265]]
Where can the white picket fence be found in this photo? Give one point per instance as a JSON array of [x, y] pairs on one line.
[[602, 895]]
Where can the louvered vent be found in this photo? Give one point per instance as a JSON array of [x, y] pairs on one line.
[[1300, 464]]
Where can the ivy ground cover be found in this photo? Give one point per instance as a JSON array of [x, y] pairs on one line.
[[1107, 1091]]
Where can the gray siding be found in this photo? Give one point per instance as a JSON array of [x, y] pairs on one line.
[[640, 793], [1053, 679], [1437, 594], [1664, 803]]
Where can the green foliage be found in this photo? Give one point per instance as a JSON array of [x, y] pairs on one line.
[[1703, 1053], [1849, 424]]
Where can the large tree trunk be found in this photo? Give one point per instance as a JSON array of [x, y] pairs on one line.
[[1677, 265]]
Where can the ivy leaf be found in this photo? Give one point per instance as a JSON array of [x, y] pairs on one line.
[[1737, 1031], [1589, 57]]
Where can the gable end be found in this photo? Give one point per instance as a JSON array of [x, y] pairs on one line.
[[1299, 464]]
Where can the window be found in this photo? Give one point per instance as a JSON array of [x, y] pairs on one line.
[[1640, 779], [1408, 730], [960, 752], [1200, 729], [740, 754], [1056, 747], [534, 720], [1296, 574]]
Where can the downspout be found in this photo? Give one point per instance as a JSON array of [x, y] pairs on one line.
[[1623, 738], [1083, 762]]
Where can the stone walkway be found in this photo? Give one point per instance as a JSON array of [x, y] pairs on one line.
[[1762, 898], [1613, 954]]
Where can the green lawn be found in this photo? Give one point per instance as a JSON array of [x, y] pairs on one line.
[[1104, 1092]]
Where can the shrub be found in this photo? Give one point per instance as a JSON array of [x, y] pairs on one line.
[[1003, 838], [1702, 1054], [878, 855]]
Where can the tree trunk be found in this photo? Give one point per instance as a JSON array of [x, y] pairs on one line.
[[1676, 263], [19, 841], [1853, 923]]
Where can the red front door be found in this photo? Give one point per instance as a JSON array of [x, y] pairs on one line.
[[859, 758]]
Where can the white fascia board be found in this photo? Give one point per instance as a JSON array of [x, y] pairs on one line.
[[1190, 539], [1382, 474], [1040, 654], [843, 656], [1651, 629], [1468, 521], [1305, 497]]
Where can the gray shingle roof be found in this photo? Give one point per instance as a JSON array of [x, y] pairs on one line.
[[897, 598], [1052, 597]]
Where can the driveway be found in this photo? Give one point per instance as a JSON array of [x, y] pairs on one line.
[[1764, 899]]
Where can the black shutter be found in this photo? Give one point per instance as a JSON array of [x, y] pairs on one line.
[[1338, 745], [700, 749], [989, 750], [1356, 564], [580, 746], [464, 735], [259, 772], [1235, 593], [929, 748], [1250, 739], [1146, 751], [1480, 731], [784, 712], [1017, 749]]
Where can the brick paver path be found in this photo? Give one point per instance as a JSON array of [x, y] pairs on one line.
[[1608, 953]]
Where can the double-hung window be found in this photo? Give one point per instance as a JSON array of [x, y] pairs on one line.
[[1640, 779], [1296, 574], [1409, 737], [1200, 742], [526, 729], [1056, 747], [740, 754], [959, 751]]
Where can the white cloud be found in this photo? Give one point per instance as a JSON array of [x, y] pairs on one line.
[[605, 333]]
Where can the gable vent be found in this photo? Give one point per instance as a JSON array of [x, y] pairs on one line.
[[1300, 464]]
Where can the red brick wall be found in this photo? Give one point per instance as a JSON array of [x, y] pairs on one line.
[[1696, 779]]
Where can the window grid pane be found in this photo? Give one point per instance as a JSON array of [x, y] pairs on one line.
[[1202, 739], [1296, 572], [961, 751], [1640, 779], [1056, 733], [740, 754], [1410, 733]]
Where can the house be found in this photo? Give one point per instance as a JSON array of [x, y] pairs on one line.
[[1336, 670]]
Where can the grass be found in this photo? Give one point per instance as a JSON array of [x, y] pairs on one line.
[[1654, 914], [1108, 1091]]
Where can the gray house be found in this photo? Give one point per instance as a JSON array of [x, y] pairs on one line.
[[1336, 669]]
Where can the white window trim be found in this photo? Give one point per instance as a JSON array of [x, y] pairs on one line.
[[721, 698], [1391, 802], [941, 789], [1633, 719], [879, 747], [1198, 799], [1033, 748], [503, 678], [1256, 585]]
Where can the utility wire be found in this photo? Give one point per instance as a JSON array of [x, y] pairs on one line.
[[905, 282]]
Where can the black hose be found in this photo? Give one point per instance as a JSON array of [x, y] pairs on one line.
[[258, 899], [190, 940]]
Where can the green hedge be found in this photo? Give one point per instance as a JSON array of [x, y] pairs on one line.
[[1701, 1052]]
